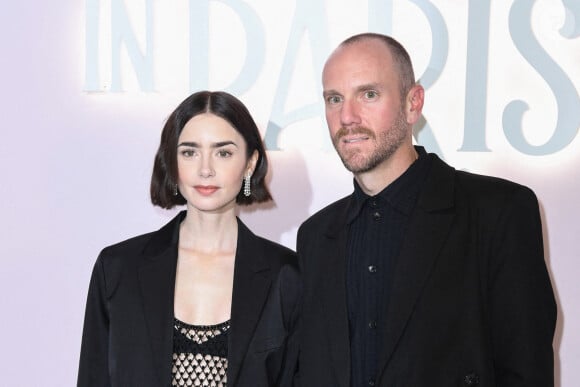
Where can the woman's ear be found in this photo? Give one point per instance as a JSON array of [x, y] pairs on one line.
[[252, 161]]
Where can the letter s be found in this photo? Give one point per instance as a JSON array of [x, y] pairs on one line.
[[567, 99]]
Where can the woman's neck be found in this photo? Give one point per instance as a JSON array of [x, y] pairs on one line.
[[209, 233]]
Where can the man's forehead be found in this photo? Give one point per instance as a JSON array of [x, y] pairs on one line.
[[364, 65], [370, 51], [364, 46]]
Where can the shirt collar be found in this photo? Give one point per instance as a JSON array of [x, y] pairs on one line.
[[401, 194]]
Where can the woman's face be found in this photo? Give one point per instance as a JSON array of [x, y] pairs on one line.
[[211, 163]]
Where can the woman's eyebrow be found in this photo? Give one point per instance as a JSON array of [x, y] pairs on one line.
[[218, 144]]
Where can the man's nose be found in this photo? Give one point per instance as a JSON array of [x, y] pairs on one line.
[[349, 113]]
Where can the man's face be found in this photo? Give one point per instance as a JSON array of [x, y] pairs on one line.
[[364, 109]]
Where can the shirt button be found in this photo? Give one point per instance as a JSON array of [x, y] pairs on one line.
[[371, 382], [372, 269], [372, 324], [373, 203], [471, 379], [376, 215]]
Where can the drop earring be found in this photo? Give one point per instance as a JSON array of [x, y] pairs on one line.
[[175, 190], [247, 191]]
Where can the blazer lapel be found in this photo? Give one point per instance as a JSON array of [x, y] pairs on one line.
[[251, 285], [334, 294], [428, 226], [157, 284]]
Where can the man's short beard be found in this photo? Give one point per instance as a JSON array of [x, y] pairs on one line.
[[387, 144]]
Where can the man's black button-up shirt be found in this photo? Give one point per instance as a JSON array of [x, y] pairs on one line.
[[376, 231]]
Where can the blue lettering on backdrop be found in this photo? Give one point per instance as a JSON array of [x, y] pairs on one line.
[[198, 45], [121, 33], [476, 77], [439, 42], [198, 55], [92, 46], [571, 27], [308, 17], [380, 16], [567, 99], [440, 48]]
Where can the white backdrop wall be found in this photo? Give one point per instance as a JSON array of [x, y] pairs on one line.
[[86, 87]]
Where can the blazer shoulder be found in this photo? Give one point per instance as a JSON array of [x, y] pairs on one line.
[[116, 260], [113, 259], [277, 254], [444, 181], [327, 215], [262, 252], [492, 189], [130, 245], [151, 243]]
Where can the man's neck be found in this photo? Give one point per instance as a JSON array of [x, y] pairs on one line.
[[377, 179]]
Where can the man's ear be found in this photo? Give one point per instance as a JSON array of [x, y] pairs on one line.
[[414, 103]]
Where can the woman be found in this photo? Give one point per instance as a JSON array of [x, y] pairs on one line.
[[202, 301]]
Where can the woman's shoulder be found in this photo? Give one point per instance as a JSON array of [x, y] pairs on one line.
[[273, 250], [114, 260], [132, 244], [280, 251], [149, 243]]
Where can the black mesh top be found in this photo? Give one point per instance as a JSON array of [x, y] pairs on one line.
[[200, 354]]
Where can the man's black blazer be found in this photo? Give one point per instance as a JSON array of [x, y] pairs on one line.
[[470, 301], [128, 329]]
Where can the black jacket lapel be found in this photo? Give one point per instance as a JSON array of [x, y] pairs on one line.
[[157, 284], [251, 285], [428, 227], [335, 303]]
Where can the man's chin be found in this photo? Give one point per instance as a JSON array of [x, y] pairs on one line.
[[356, 164]]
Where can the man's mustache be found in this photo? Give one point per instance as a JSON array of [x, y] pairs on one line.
[[350, 131]]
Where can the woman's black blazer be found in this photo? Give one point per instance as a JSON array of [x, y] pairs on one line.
[[128, 328]]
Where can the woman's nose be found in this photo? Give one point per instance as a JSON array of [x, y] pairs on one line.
[[206, 167]]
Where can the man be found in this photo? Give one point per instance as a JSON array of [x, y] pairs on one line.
[[424, 276]]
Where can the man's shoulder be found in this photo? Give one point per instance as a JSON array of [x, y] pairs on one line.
[[328, 214], [476, 185], [486, 186]]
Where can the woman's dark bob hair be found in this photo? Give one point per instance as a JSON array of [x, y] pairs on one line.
[[231, 109]]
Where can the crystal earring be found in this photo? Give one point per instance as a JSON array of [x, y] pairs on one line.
[[175, 190], [247, 191]]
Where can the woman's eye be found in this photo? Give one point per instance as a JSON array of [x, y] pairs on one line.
[[224, 153], [187, 152]]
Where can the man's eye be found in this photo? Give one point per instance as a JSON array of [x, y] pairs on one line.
[[370, 94], [333, 99]]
